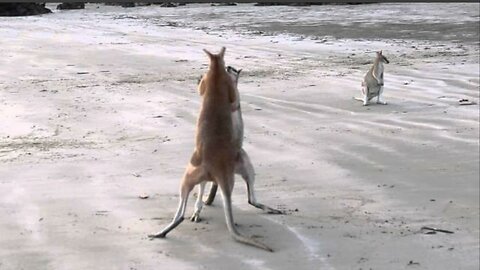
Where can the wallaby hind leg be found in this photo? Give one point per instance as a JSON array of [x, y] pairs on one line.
[[365, 97], [226, 191], [244, 167], [199, 203], [379, 98], [211, 195], [192, 176]]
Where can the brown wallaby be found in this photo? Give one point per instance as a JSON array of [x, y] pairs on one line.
[[243, 166], [372, 85], [215, 153]]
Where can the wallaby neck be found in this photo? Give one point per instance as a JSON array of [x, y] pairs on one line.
[[215, 66], [378, 67]]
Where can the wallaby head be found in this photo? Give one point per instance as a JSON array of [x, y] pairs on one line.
[[216, 60], [234, 74], [216, 73], [382, 58]]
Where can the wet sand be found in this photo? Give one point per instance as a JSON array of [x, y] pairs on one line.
[[99, 107]]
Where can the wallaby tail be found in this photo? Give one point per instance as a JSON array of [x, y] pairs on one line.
[[227, 205], [211, 195]]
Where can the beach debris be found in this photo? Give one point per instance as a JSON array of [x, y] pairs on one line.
[[72, 5], [223, 4], [362, 260], [411, 262], [143, 196], [168, 4], [465, 101], [430, 230], [101, 212], [136, 174], [82, 72]]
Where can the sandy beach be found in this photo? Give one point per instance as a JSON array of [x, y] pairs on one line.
[[98, 108]]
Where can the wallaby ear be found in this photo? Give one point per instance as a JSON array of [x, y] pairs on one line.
[[238, 72], [210, 55], [380, 52], [222, 52]]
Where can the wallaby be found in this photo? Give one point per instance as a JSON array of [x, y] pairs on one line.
[[243, 165], [237, 121], [372, 85], [215, 153]]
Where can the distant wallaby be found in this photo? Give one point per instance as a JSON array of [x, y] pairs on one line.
[[215, 154], [243, 166], [372, 85]]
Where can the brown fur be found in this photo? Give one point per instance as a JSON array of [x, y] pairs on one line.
[[215, 152]]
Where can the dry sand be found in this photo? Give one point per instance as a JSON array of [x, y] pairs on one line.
[[98, 107]]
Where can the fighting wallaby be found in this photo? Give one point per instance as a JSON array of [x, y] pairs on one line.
[[372, 85], [237, 122], [215, 154], [243, 165]]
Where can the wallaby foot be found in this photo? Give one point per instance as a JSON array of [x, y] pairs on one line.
[[195, 217], [227, 205], [267, 209], [379, 97], [248, 241], [199, 203], [164, 232], [244, 167], [192, 176], [364, 100]]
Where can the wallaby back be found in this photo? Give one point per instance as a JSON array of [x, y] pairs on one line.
[[214, 126]]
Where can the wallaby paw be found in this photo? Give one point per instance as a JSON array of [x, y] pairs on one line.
[[382, 102]]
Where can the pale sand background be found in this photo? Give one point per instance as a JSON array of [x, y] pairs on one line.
[[358, 183]]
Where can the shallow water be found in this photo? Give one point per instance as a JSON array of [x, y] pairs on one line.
[[423, 21]]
